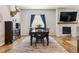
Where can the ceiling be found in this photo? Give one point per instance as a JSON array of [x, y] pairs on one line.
[[47, 6]]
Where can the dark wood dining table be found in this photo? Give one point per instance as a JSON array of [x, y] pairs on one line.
[[39, 34]]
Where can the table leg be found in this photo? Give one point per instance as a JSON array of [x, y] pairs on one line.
[[31, 40], [43, 41], [36, 41], [47, 37]]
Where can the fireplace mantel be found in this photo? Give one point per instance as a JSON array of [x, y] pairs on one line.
[[67, 22]]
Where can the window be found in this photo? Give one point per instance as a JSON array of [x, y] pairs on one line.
[[37, 21]]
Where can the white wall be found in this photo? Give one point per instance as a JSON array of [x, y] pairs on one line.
[[1, 28], [26, 16], [5, 13]]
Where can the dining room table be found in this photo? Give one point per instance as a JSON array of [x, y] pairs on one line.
[[39, 34]]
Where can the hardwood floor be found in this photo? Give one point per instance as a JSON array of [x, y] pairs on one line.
[[69, 43]]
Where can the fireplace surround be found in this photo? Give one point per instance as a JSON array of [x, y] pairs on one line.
[[66, 30]]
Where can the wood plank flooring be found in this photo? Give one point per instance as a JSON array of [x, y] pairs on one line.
[[70, 44]]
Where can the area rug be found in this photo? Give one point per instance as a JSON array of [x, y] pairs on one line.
[[23, 46]]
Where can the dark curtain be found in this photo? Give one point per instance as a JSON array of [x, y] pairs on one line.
[[32, 18], [44, 21]]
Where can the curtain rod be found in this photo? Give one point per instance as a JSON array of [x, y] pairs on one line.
[[37, 14]]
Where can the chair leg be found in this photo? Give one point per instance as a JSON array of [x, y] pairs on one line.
[[36, 41], [43, 41]]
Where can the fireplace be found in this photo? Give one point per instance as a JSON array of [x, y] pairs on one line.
[[66, 30]]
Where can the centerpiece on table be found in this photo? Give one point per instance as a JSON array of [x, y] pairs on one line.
[[38, 27]]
